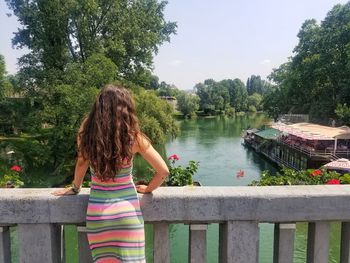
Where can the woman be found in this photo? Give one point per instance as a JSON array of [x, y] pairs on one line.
[[107, 141]]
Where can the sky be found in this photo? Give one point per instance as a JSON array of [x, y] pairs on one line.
[[215, 39]]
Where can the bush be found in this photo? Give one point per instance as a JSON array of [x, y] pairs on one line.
[[305, 177]]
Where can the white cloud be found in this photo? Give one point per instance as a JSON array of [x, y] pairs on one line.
[[265, 62]]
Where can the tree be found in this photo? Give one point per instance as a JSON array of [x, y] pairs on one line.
[[343, 113], [317, 77], [256, 85], [188, 104], [78, 46], [165, 89], [205, 99], [255, 101], [238, 95], [219, 96], [155, 116], [2, 76], [56, 32]]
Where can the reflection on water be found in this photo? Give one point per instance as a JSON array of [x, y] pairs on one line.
[[216, 143]]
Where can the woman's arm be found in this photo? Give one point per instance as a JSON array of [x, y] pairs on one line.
[[144, 147], [81, 167]]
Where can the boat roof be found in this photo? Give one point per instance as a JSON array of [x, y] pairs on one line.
[[311, 131], [270, 133]]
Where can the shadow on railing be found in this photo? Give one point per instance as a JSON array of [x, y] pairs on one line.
[[39, 218]]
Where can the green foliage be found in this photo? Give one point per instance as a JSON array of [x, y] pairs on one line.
[[305, 177], [256, 85], [6, 81], [155, 116], [181, 176], [188, 104], [63, 111], [255, 101], [2, 76], [251, 108], [165, 89], [129, 33], [317, 77], [343, 113], [76, 47], [218, 96], [230, 111]]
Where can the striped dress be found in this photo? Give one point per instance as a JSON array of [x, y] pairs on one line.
[[114, 221]]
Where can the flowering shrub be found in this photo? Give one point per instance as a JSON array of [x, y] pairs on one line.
[[10, 177], [305, 177], [180, 176]]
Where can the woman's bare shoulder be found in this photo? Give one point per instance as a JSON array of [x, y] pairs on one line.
[[141, 144]]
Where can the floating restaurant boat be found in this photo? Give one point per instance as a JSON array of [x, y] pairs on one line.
[[301, 145]]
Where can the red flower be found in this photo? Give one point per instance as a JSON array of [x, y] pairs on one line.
[[16, 168], [333, 181], [174, 156], [240, 173], [316, 173]]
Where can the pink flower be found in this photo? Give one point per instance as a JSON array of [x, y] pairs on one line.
[[174, 156], [333, 181], [316, 173], [16, 168]]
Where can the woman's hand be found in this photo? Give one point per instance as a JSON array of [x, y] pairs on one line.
[[64, 191], [141, 188]]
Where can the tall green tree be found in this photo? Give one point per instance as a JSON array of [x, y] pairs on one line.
[[254, 101], [2, 76], [257, 85], [58, 32], [238, 95], [188, 104], [317, 77], [77, 46]]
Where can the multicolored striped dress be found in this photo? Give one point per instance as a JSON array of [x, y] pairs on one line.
[[114, 220]]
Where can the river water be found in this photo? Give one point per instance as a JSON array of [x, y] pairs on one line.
[[216, 143]]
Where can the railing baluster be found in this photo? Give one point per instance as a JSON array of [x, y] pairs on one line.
[[39, 243], [238, 242], [345, 243], [283, 243], [83, 244], [198, 243], [5, 248], [318, 242], [161, 243]]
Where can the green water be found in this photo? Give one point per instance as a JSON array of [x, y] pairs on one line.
[[216, 144]]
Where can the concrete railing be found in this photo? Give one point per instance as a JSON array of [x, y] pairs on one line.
[[39, 217]]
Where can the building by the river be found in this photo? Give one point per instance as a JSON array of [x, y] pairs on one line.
[[300, 145]]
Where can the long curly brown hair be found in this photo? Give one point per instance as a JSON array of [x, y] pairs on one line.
[[109, 131]]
